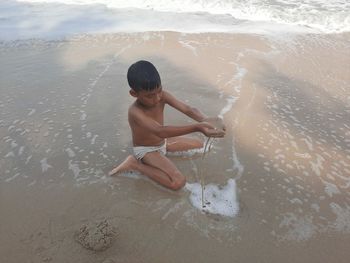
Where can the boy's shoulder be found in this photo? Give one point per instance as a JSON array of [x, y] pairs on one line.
[[134, 109], [134, 113]]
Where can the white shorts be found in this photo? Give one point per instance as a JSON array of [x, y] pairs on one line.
[[141, 151]]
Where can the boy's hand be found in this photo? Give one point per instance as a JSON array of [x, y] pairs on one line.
[[210, 131], [216, 122]]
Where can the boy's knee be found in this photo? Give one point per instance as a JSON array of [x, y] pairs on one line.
[[178, 183], [199, 144]]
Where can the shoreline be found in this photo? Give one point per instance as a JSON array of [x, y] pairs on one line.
[[79, 36]]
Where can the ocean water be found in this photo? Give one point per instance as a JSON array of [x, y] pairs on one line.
[[23, 19]]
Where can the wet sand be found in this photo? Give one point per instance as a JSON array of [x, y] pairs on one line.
[[63, 126]]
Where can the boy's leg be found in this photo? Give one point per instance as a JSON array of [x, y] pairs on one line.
[[157, 167], [169, 177], [181, 143], [127, 165]]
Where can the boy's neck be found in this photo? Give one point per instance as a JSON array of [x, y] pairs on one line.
[[143, 106]]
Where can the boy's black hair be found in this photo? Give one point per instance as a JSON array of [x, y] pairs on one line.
[[142, 75]]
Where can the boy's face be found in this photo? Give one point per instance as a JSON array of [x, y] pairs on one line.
[[148, 98]]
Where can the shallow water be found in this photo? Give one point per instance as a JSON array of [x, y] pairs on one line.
[[285, 102]]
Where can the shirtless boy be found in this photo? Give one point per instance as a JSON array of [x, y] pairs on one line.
[[151, 139]]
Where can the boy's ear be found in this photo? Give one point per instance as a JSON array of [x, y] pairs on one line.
[[133, 93]]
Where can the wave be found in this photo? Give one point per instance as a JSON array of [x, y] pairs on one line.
[[325, 15], [23, 19]]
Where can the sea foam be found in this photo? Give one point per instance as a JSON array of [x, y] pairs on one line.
[[217, 200], [25, 19]]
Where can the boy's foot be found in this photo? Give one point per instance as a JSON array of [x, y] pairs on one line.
[[128, 165]]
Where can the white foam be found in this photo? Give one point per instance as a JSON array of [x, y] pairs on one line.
[[94, 139], [24, 18], [83, 116], [20, 151], [32, 183], [28, 159], [74, 168], [236, 163], [70, 152], [342, 222], [44, 165], [230, 101], [11, 178], [187, 44], [173, 209], [32, 111], [331, 189], [298, 228], [217, 200], [308, 142], [331, 15], [317, 166], [9, 154], [303, 155], [11, 127]]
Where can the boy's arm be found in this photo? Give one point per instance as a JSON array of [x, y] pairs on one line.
[[150, 125], [191, 112]]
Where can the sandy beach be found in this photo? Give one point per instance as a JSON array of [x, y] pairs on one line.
[[63, 125]]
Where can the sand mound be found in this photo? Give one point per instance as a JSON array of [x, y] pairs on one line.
[[97, 236]]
